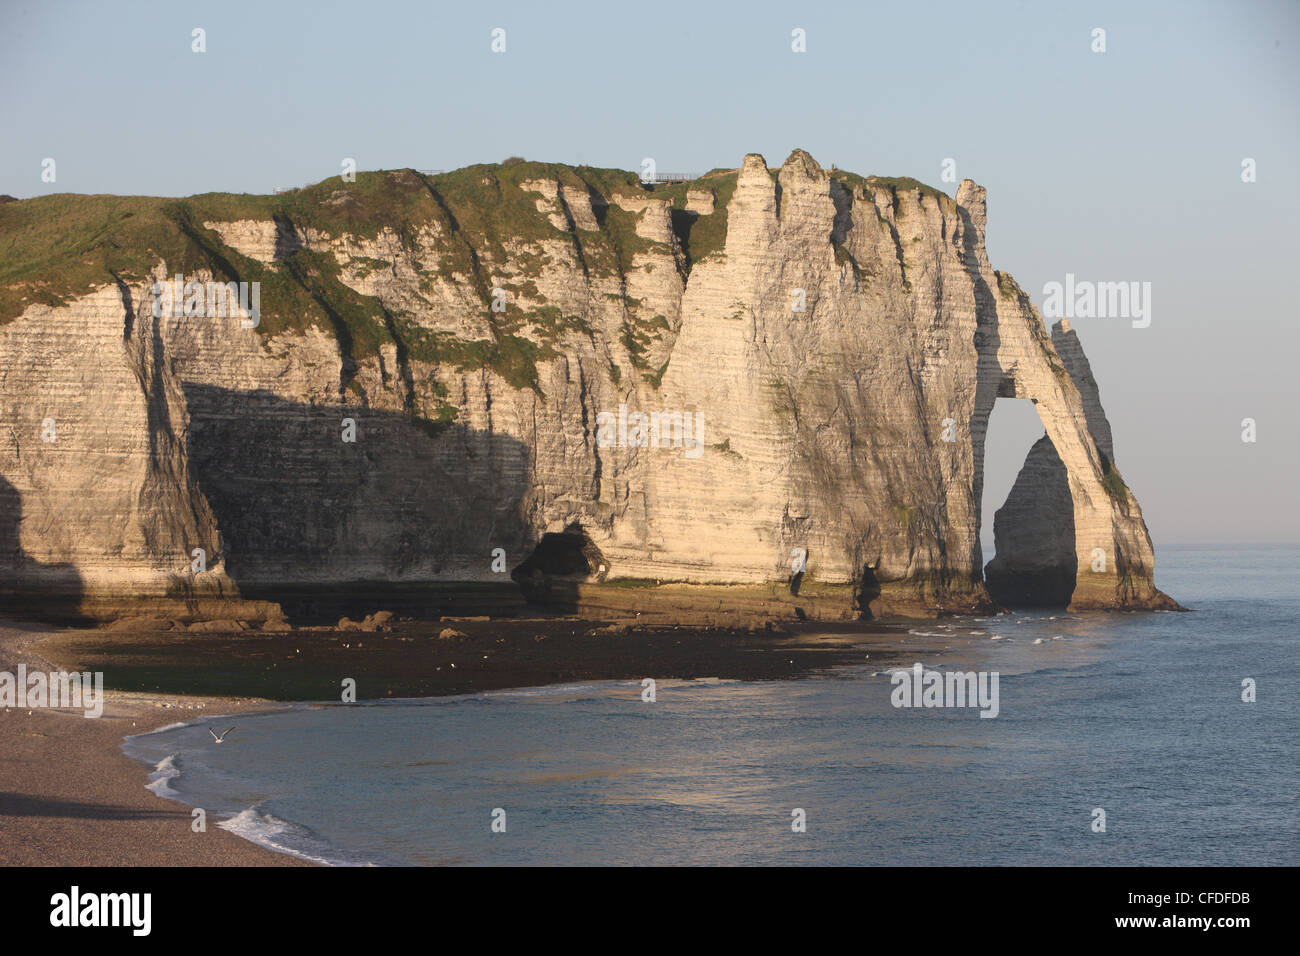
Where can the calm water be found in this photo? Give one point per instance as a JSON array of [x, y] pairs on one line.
[[1137, 714]]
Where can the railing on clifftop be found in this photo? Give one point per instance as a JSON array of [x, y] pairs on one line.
[[661, 178]]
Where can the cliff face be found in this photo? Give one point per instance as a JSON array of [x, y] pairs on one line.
[[834, 344]]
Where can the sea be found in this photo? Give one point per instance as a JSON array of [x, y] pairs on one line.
[[1119, 739]]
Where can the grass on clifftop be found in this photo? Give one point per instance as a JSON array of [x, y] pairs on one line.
[[907, 184], [480, 219], [54, 248], [864, 186]]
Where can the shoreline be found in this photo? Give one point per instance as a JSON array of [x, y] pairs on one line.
[[70, 794]]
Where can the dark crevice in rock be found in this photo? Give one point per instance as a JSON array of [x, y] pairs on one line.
[[403, 362], [843, 221], [348, 367], [286, 236], [476, 268], [573, 230], [124, 290], [898, 253], [682, 221]]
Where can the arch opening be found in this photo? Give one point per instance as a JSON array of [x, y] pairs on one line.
[[1031, 534]]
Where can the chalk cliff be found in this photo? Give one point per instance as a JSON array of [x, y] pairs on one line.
[[836, 341]]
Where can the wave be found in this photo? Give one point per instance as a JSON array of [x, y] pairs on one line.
[[267, 830], [162, 730], [925, 669], [167, 770], [550, 690]]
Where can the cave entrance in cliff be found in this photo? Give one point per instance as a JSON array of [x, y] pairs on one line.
[[552, 571], [1026, 513]]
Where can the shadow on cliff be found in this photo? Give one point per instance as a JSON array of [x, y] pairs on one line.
[[405, 517], [866, 590], [30, 589]]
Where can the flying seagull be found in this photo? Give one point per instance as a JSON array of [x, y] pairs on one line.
[[223, 734]]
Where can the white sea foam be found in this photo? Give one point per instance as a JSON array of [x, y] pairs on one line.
[[552, 690], [160, 730], [270, 831], [167, 770], [925, 669]]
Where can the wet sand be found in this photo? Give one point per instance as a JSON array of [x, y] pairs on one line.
[[410, 659]]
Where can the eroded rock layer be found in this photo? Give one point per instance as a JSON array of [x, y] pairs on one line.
[[491, 338]]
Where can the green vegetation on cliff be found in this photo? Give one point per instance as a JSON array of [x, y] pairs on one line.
[[896, 184], [487, 231], [1113, 482]]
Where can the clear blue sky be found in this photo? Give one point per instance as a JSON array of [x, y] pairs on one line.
[[1123, 165]]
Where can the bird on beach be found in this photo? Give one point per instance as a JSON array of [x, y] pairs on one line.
[[223, 734]]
